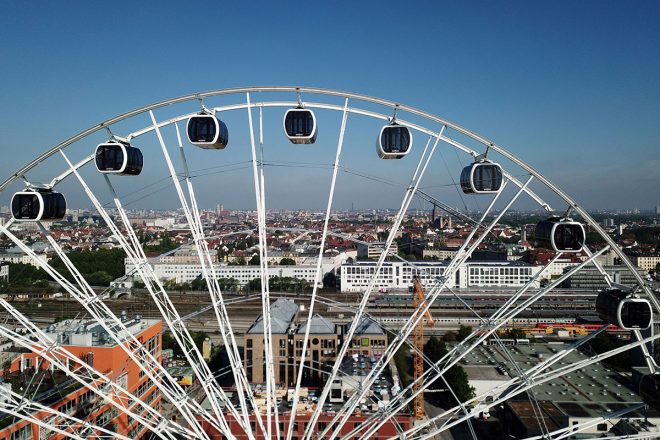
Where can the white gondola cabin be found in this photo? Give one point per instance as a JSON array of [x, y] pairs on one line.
[[300, 125], [394, 141], [559, 234], [38, 205], [115, 157], [207, 131], [482, 177], [616, 307], [649, 390]]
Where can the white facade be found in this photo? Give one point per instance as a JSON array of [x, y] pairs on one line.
[[4, 272], [185, 273], [373, 250], [399, 275], [13, 257], [556, 268]]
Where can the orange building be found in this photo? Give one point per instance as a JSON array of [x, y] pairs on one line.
[[87, 340]]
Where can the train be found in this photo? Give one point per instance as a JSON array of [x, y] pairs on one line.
[[473, 322]]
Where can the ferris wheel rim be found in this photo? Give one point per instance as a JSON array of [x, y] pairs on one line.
[[150, 108]]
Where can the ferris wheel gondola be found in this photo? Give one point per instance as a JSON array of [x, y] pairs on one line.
[[300, 125], [481, 177], [394, 141], [619, 308], [114, 157], [207, 131], [560, 235], [33, 205]]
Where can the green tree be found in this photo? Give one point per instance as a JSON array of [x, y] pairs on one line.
[[463, 332], [198, 283], [254, 261], [456, 377], [170, 284], [330, 280], [91, 263], [99, 278], [254, 285], [287, 262], [25, 274], [449, 337]]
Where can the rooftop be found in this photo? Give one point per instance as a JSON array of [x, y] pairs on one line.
[[90, 333], [596, 383], [319, 326]]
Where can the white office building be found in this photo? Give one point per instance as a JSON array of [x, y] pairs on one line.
[[187, 272], [4, 271], [399, 275]]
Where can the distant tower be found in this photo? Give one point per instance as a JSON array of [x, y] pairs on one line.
[[523, 236]]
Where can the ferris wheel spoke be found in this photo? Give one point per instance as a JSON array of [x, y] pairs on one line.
[[138, 259], [94, 305], [538, 380], [481, 333], [259, 188], [408, 196], [66, 425], [462, 255], [219, 307], [41, 345], [569, 431], [214, 393], [461, 350], [317, 279]]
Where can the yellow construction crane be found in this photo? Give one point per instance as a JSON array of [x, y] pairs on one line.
[[419, 301]]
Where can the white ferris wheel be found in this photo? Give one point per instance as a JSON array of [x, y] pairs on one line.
[[184, 136]]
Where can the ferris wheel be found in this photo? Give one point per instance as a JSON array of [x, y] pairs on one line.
[[174, 144]]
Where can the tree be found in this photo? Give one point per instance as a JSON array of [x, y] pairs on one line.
[[99, 278], [170, 284], [287, 262], [449, 337], [254, 285], [198, 283], [254, 261], [92, 263], [456, 377], [463, 332], [330, 280], [228, 283]]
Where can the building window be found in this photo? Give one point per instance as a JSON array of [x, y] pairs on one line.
[[25, 433]]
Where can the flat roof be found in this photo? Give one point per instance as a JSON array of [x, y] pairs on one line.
[[596, 383], [90, 333]]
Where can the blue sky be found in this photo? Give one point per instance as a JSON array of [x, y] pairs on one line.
[[571, 87]]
